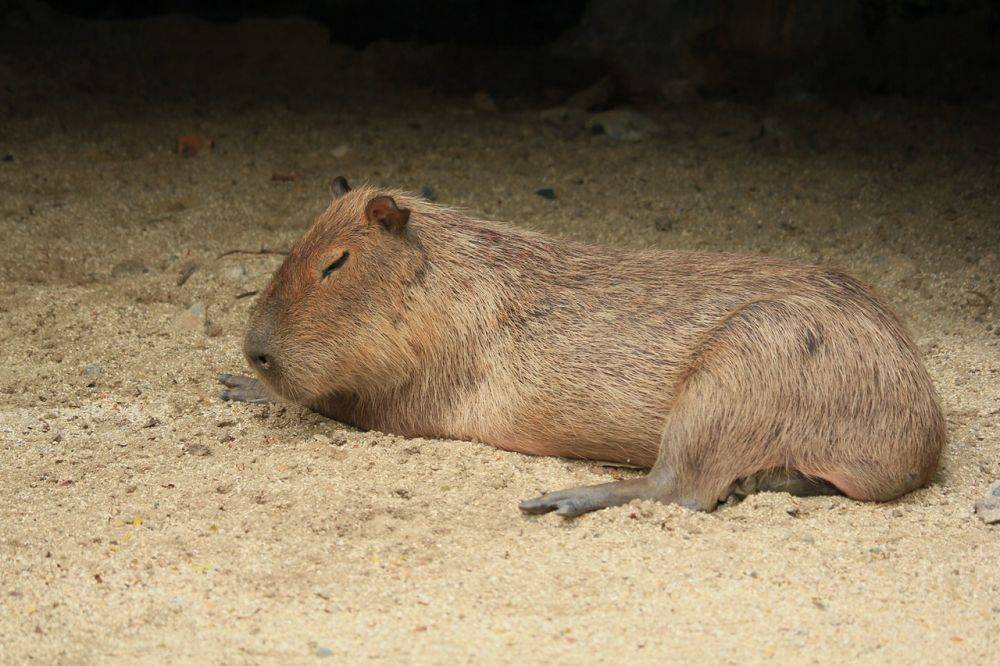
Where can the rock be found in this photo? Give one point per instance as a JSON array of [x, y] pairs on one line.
[[988, 508], [214, 329], [594, 97], [196, 449], [546, 193], [622, 125], [236, 272], [187, 269], [191, 320], [340, 150], [90, 375], [679, 91], [484, 102], [324, 652], [189, 145], [128, 267], [426, 193]]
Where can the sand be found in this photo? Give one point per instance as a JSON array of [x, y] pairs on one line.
[[142, 518]]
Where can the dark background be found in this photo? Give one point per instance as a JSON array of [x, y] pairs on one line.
[[945, 49]]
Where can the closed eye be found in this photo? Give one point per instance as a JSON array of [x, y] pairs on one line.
[[336, 264]]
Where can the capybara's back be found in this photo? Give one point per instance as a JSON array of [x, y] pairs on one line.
[[726, 371]]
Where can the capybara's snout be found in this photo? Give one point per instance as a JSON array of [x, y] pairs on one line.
[[259, 347]]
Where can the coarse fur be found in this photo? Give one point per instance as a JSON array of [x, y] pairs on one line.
[[719, 371]]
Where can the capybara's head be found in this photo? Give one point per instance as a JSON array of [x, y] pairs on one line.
[[329, 321]]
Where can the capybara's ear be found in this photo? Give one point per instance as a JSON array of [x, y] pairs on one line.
[[383, 210], [339, 187]]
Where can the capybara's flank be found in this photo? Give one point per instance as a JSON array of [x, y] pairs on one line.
[[724, 373]]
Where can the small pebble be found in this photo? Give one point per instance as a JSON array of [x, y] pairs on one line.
[[186, 271], [192, 319], [546, 193], [988, 508], [340, 150], [426, 193], [196, 449], [92, 372], [324, 652]]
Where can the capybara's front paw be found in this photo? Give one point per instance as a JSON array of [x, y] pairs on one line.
[[242, 389]]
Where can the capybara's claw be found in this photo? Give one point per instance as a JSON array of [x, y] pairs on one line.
[[574, 502], [235, 381], [242, 389], [559, 502], [242, 395]]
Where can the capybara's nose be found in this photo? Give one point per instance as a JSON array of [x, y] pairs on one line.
[[260, 360], [258, 353]]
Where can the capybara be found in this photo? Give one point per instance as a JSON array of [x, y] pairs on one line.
[[724, 373]]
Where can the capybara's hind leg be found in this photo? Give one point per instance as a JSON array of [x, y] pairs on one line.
[[693, 468], [576, 501], [242, 389]]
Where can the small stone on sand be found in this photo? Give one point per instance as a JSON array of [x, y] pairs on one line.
[[192, 319], [988, 508]]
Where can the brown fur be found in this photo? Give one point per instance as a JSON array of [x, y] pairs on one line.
[[714, 367]]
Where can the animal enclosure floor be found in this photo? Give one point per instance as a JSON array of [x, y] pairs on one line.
[[142, 518]]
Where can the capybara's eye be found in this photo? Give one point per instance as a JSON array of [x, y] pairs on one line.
[[336, 264]]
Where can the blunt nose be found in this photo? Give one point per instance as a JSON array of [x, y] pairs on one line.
[[258, 353], [260, 360]]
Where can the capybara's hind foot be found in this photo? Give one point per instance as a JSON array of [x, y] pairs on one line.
[[243, 389], [577, 501], [783, 481]]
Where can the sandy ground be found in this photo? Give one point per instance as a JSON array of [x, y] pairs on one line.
[[143, 518]]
